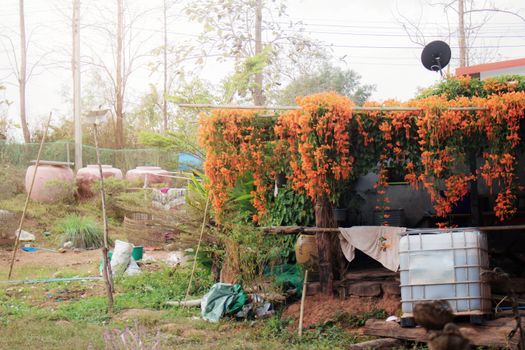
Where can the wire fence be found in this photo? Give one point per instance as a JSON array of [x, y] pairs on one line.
[[21, 154]]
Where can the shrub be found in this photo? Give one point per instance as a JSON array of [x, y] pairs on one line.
[[11, 182]]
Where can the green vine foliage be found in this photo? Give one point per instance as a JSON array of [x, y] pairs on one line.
[[289, 208], [455, 87]]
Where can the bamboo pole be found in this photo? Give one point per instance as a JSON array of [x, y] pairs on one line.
[[108, 276], [212, 106], [312, 230], [26, 204], [303, 297], [198, 247], [355, 109]]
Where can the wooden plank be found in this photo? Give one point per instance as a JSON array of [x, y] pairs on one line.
[[382, 343], [492, 333], [371, 274], [355, 109], [52, 162], [288, 230]]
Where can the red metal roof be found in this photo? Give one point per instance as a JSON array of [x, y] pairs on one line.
[[490, 66]]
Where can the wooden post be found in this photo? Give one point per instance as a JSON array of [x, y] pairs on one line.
[[108, 276], [22, 218], [303, 297], [474, 194], [324, 218]]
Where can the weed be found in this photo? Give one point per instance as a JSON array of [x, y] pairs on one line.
[[153, 289], [130, 339], [84, 232]]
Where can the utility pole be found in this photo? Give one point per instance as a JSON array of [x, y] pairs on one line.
[[119, 93], [258, 93], [165, 92], [22, 74], [461, 27], [76, 84]]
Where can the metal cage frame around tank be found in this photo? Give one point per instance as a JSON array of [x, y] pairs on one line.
[[481, 247]]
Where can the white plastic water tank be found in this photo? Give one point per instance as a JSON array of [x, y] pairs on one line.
[[444, 264]]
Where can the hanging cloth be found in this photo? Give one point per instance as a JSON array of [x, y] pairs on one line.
[[378, 242]]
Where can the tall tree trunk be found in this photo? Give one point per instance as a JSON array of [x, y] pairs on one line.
[[165, 91], [258, 96], [324, 217], [474, 194], [22, 74], [461, 28], [119, 88]]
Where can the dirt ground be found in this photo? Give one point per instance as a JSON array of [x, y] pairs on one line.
[[46, 264], [319, 308]]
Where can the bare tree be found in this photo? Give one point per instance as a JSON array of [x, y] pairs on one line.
[[19, 66], [467, 28], [165, 64], [127, 48]]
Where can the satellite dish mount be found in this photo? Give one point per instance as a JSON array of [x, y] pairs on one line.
[[436, 56]]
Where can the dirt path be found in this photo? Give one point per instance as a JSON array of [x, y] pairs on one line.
[[46, 264]]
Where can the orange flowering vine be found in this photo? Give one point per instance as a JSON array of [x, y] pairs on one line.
[[326, 143]]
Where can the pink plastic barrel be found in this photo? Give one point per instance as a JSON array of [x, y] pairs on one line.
[[153, 174], [52, 183]]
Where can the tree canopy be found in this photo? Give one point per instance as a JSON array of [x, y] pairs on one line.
[[328, 77]]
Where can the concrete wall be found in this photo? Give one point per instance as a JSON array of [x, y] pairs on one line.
[[520, 70]]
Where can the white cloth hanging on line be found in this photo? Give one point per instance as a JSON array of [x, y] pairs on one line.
[[378, 242]]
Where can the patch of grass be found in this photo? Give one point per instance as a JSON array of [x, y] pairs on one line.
[[44, 214], [42, 271], [83, 232], [359, 320], [153, 289], [92, 310], [11, 181], [329, 335], [34, 333]]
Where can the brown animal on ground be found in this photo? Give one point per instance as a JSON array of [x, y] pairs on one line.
[[450, 338], [433, 315]]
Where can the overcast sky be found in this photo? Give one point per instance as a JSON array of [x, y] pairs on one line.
[[364, 35]]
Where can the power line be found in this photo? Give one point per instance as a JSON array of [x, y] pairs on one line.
[[405, 35]]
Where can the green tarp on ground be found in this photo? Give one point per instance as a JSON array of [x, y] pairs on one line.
[[222, 299]]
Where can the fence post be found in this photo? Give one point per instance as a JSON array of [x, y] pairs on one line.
[[67, 153]]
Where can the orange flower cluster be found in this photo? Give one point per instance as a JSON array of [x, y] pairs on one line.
[[319, 143]]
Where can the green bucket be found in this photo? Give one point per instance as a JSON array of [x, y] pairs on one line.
[[137, 252]]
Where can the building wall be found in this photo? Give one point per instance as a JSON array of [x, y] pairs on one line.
[[520, 70], [416, 202]]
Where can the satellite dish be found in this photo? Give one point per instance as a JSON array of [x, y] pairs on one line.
[[436, 56]]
